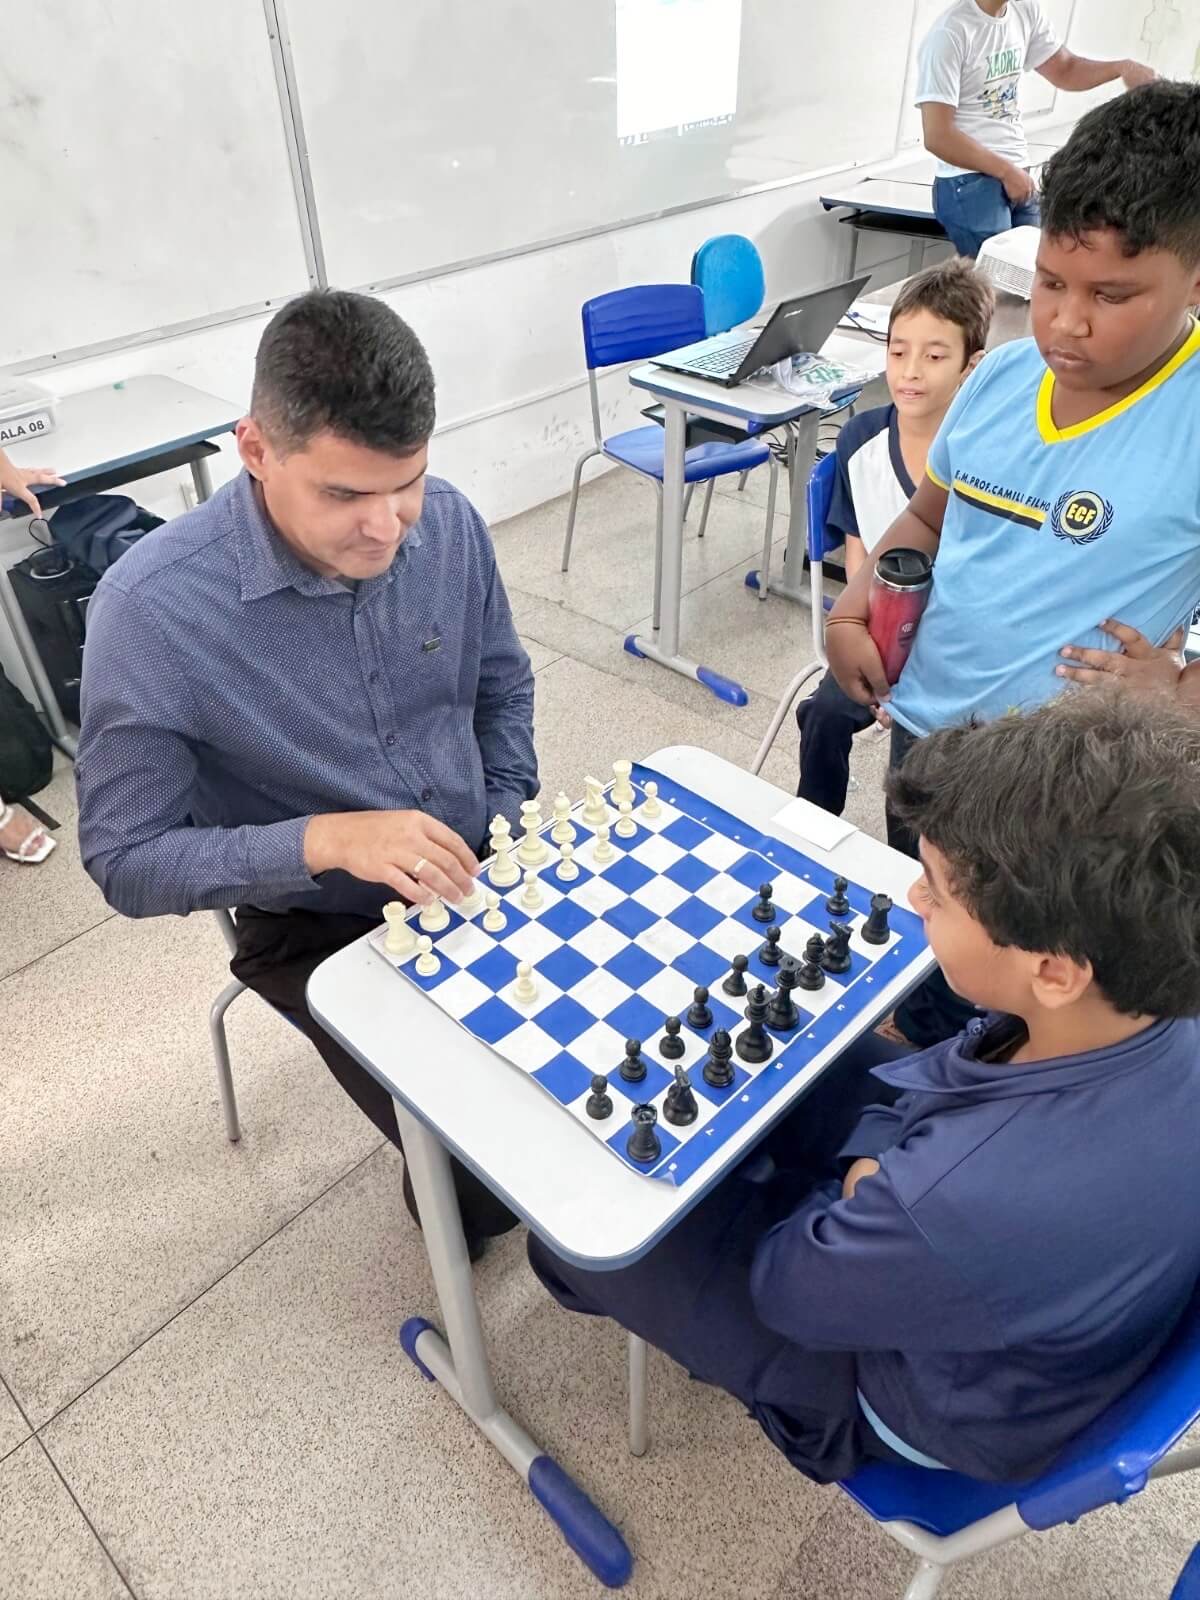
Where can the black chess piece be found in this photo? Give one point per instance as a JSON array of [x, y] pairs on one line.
[[680, 1106], [699, 1014], [814, 949], [599, 1102], [718, 1069], [809, 976], [875, 929], [633, 1068], [770, 954], [735, 983], [781, 1012], [671, 1045], [643, 1143], [837, 905], [754, 1043], [837, 948], [764, 911]]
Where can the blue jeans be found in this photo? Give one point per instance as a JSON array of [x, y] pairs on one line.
[[973, 208]]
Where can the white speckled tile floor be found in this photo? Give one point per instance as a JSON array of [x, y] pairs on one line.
[[201, 1393]]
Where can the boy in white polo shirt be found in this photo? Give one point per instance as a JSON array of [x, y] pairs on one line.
[[968, 88], [936, 336]]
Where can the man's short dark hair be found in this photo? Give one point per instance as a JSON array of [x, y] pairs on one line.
[[1132, 164], [346, 364], [1075, 829], [954, 291]]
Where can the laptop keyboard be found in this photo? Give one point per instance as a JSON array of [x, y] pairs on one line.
[[722, 362]]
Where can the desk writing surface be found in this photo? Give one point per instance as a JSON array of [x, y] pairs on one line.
[[888, 196], [118, 425]]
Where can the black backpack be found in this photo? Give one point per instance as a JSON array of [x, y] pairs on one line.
[[26, 754]]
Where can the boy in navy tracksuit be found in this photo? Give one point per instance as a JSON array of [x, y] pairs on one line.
[[967, 1272]]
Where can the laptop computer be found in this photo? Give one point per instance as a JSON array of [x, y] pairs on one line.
[[796, 326]]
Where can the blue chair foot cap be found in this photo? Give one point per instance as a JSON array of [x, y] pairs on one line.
[[631, 645], [410, 1332], [724, 688], [585, 1528], [751, 579]]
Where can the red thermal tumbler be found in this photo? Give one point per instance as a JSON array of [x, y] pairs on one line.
[[899, 592]]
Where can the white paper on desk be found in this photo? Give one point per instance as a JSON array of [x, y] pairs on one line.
[[810, 825], [870, 316]]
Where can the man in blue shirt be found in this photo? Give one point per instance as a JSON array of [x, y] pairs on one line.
[[307, 697]]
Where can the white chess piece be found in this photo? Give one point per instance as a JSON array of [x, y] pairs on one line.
[[625, 826], [562, 832], [524, 989], [568, 867], [595, 811], [401, 940], [504, 871], [494, 920], [531, 895], [434, 917], [471, 903], [499, 832], [428, 965], [533, 849], [622, 789], [602, 851], [652, 808]]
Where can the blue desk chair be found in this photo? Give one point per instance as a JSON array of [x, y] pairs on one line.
[[729, 269], [634, 325], [1188, 1586], [944, 1517], [820, 544]]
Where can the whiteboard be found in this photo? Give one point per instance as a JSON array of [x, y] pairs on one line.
[[144, 175], [442, 131]]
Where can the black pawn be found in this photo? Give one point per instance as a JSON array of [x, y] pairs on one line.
[[781, 1013], [633, 1068], [837, 905], [809, 976], [764, 911], [814, 950], [837, 949], [735, 983], [700, 1012], [875, 928], [680, 1107], [718, 1069], [754, 1043], [643, 1143], [599, 1102], [769, 955], [671, 1045]]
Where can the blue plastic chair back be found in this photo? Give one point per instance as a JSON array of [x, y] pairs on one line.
[[729, 269], [634, 324], [1188, 1586], [820, 497]]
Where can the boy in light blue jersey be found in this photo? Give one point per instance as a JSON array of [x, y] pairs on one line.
[[1063, 489]]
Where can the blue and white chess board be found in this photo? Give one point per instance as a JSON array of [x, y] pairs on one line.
[[623, 946]]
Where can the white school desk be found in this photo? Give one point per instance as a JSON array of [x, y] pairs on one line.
[[453, 1094], [105, 438], [756, 406]]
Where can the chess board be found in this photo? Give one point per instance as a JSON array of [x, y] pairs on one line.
[[621, 947]]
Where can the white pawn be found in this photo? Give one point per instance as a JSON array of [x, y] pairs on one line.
[[524, 989], [622, 788], [533, 849], [652, 807], [562, 832], [625, 826], [568, 867], [531, 895], [603, 850], [595, 811], [434, 916], [494, 920], [504, 871], [428, 965], [401, 940]]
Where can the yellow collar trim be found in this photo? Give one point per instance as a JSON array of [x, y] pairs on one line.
[[1052, 434]]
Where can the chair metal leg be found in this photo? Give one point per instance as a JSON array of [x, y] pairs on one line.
[[781, 710], [687, 499], [708, 494], [637, 1395], [579, 466], [220, 1044], [926, 1582], [742, 476], [656, 617], [764, 571]]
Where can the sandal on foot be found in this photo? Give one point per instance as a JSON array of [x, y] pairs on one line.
[[34, 847]]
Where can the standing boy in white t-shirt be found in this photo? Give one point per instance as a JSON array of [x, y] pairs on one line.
[[968, 88]]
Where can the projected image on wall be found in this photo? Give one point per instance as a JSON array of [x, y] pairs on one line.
[[677, 66]]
